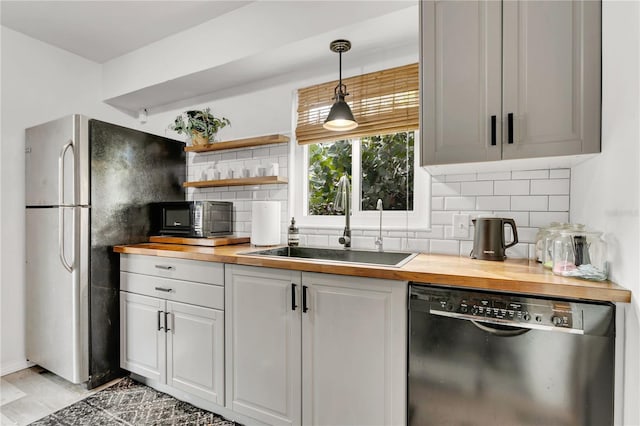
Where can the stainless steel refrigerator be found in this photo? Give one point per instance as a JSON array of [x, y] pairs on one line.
[[88, 186]]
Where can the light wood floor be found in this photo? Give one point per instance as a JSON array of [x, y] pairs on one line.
[[30, 394]]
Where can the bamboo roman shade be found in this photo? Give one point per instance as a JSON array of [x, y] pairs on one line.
[[382, 102]]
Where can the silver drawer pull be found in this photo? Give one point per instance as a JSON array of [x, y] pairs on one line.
[[168, 290], [164, 267]]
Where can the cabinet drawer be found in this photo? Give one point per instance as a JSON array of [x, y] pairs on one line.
[[211, 296], [181, 269]]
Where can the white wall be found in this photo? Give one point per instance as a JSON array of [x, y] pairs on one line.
[[39, 83], [605, 190]]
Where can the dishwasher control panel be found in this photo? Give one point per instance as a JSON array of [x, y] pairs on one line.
[[501, 309]]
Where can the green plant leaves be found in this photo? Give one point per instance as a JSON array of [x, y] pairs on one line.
[[199, 121]]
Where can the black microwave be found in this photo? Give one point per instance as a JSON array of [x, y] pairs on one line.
[[198, 219]]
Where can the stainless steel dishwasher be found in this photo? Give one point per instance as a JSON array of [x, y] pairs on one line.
[[488, 358]]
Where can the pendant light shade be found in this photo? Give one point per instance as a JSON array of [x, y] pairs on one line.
[[340, 117]]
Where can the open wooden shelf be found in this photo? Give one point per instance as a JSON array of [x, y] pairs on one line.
[[262, 180], [238, 143]]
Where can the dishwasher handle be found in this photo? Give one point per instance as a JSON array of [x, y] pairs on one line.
[[481, 321], [515, 331]]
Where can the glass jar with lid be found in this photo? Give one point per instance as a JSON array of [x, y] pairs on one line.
[[580, 253], [546, 241]]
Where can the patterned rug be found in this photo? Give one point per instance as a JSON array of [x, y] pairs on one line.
[[131, 403]]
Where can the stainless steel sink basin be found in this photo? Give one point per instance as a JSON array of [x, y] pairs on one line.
[[386, 258]]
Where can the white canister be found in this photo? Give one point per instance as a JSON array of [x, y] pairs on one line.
[[265, 223]]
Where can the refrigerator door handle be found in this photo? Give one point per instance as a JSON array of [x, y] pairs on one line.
[[61, 207], [63, 152]]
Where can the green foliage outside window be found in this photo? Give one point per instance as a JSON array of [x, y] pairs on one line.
[[327, 163], [387, 171], [386, 168]]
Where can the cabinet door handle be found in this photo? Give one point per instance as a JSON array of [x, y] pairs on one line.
[[510, 127], [159, 320], [304, 299], [166, 322], [165, 267], [167, 290], [493, 130], [293, 297]]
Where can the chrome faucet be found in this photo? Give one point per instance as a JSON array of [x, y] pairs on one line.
[[379, 239], [343, 203]]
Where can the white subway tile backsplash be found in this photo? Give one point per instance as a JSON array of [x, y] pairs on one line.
[[530, 174], [532, 198], [445, 247], [228, 196], [477, 188], [494, 176], [441, 217], [448, 233], [529, 202], [318, 240], [417, 245], [541, 219], [364, 243], [474, 214], [459, 203], [242, 216], [502, 202], [526, 235], [560, 174], [437, 232], [550, 187], [389, 243], [232, 155], [243, 153], [443, 189], [278, 194], [460, 178], [465, 248], [519, 251], [261, 152], [521, 218], [437, 203], [244, 195], [511, 187], [278, 150], [396, 234], [558, 203]]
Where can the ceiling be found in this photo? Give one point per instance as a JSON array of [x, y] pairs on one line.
[[113, 33], [103, 30]]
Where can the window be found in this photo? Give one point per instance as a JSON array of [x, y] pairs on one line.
[[385, 172], [379, 156]]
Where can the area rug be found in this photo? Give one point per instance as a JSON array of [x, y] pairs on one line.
[[131, 403]]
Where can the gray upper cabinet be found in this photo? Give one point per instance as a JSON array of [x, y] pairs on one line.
[[509, 80]]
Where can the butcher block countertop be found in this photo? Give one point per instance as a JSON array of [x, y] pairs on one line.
[[512, 275]]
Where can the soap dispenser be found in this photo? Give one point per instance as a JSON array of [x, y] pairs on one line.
[[294, 236]]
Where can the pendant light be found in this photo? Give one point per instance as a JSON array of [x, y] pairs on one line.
[[340, 117]]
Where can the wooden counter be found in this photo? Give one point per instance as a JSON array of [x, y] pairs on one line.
[[516, 275]]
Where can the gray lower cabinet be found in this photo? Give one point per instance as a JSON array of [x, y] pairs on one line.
[[172, 330], [315, 349], [509, 80]]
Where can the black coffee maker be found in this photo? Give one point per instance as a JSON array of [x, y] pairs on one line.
[[488, 242]]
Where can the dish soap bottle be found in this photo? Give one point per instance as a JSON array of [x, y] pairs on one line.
[[294, 236]]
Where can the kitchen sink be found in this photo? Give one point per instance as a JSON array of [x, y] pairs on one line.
[[387, 258]]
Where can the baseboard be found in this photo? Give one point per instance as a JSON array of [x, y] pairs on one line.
[[12, 367]]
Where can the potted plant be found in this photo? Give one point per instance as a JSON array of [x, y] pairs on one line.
[[200, 125]]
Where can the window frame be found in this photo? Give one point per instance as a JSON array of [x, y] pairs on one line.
[[419, 219]]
